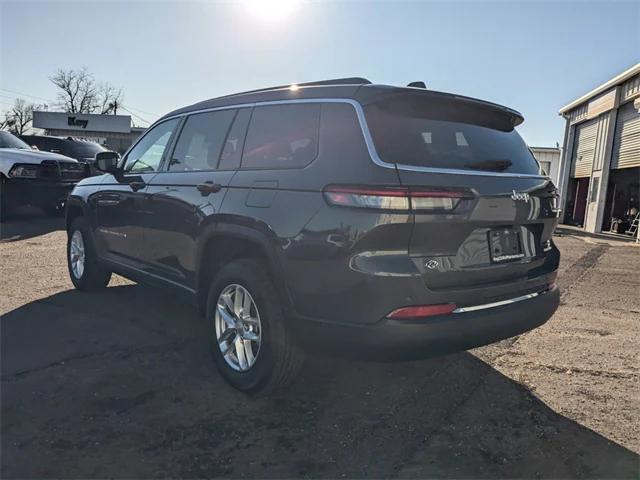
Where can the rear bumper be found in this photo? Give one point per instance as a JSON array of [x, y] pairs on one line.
[[437, 335], [40, 193]]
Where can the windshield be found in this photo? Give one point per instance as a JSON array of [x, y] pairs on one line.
[[449, 136], [8, 140]]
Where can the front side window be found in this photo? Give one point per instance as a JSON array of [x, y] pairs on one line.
[[201, 141], [146, 156], [282, 136]]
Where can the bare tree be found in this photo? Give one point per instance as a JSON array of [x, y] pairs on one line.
[[80, 93], [109, 98], [19, 117]]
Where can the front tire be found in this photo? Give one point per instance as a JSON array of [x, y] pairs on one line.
[[250, 342], [84, 269], [4, 198]]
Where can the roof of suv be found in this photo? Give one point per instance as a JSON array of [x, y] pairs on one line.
[[53, 137], [358, 89]]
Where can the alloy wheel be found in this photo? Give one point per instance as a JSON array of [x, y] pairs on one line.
[[238, 328], [77, 254]]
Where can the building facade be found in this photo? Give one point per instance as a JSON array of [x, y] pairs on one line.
[[115, 132], [599, 174], [549, 160]]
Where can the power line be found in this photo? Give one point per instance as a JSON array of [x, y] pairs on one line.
[[142, 111], [137, 116], [54, 101], [27, 95]]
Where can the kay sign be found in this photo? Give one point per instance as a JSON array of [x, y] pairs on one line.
[[82, 122]]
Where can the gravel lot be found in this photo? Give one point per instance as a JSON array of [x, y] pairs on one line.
[[120, 384]]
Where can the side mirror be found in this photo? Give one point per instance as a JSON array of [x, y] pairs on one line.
[[107, 161]]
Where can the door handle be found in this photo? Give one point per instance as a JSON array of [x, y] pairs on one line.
[[207, 188], [135, 186]]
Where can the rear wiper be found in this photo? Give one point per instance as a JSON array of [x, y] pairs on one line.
[[493, 165]]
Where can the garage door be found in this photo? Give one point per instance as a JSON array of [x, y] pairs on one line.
[[584, 149], [626, 142]]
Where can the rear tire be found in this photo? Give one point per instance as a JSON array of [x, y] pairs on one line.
[[85, 271], [276, 357]]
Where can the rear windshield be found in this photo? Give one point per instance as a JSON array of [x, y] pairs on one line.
[[447, 134]]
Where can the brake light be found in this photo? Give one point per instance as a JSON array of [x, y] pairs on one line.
[[395, 198], [406, 313]]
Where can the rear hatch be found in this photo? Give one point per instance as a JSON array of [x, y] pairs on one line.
[[484, 214]]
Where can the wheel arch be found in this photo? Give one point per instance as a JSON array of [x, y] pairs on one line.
[[220, 244], [75, 207]]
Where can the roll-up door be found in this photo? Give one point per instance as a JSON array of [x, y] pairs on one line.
[[584, 149], [626, 142]]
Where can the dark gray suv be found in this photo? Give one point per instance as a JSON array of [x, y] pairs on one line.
[[368, 220]]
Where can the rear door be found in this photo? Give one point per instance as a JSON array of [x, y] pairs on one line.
[[121, 207], [484, 212], [189, 191]]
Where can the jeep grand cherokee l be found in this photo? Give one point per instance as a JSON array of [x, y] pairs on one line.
[[375, 220], [30, 177]]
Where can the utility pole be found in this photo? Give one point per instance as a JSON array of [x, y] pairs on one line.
[[115, 107]]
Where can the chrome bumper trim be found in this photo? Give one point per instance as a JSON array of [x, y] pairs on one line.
[[474, 308]]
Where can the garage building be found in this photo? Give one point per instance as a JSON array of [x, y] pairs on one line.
[[600, 168], [549, 160]]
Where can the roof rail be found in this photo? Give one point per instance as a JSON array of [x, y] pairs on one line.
[[333, 81], [337, 81]]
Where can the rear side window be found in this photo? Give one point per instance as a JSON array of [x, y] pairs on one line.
[[447, 135], [201, 141], [282, 136]]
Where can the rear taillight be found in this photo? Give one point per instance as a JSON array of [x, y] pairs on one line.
[[395, 198], [407, 313]]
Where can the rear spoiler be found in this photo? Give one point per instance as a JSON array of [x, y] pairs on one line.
[[440, 104]]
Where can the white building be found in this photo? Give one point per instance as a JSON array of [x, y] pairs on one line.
[[600, 167], [113, 131], [549, 159]]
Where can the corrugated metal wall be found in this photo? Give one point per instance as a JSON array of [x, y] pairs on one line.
[[601, 142], [549, 157], [584, 149], [626, 141]]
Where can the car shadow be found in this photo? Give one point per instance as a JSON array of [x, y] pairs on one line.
[[120, 383], [28, 222]]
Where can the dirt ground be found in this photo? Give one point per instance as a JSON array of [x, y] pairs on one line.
[[120, 384]]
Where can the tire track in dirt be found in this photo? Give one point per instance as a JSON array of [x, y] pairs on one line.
[[579, 269]]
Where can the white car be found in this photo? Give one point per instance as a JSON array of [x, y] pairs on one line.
[[31, 177]]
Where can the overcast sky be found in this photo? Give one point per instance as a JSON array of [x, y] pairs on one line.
[[532, 56]]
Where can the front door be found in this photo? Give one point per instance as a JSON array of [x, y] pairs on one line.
[[188, 193], [121, 208]]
